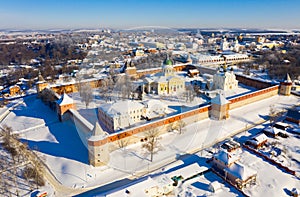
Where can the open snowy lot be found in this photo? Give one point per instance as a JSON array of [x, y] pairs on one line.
[[271, 181]]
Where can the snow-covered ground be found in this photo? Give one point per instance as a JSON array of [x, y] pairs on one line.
[[271, 181], [198, 186], [60, 147], [284, 151]]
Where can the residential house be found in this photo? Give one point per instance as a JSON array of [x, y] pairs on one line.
[[226, 165], [257, 141]]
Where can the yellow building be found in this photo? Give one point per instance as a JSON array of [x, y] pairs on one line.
[[14, 90], [166, 82]]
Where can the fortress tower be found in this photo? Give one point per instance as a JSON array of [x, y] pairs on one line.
[[130, 68], [98, 147], [286, 86], [219, 107], [41, 84], [64, 104]]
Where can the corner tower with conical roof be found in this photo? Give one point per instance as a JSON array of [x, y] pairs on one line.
[[285, 86], [98, 146]]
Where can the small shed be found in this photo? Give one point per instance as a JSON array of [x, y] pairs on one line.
[[271, 131], [282, 125], [214, 186], [257, 141]]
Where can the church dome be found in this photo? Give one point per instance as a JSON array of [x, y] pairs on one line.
[[168, 61]]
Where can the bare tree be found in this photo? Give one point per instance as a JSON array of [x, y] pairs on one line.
[[123, 143], [274, 114], [78, 80], [5, 184], [179, 125], [128, 88], [35, 171], [123, 87], [86, 93], [9, 140], [103, 89], [170, 127], [189, 93], [151, 144]]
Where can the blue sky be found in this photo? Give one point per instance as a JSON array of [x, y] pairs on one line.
[[48, 14]]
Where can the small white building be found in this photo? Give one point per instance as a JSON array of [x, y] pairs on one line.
[[154, 109], [214, 186], [120, 114], [225, 81]]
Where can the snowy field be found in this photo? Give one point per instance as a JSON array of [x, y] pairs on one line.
[[60, 147], [271, 181]]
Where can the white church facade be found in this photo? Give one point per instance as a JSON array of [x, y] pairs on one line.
[[225, 81]]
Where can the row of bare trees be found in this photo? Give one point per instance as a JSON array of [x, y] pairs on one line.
[[19, 169], [54, 52], [151, 140]]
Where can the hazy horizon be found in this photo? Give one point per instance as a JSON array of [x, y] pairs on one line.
[[117, 14]]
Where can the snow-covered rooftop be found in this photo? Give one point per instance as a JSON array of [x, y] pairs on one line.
[[219, 100], [65, 100], [226, 157], [188, 171], [97, 133], [259, 138], [272, 130], [120, 107], [240, 171]]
